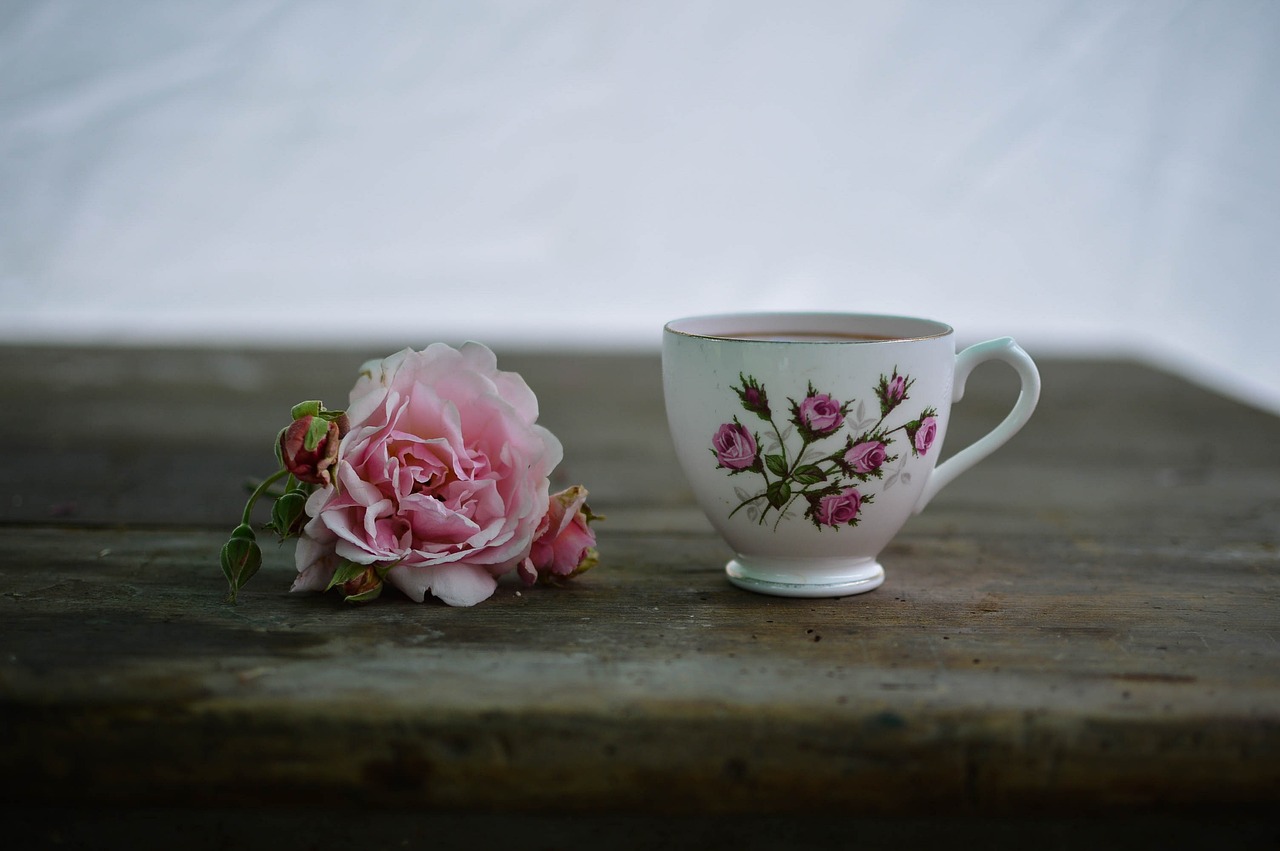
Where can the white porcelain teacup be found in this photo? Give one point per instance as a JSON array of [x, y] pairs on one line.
[[809, 439]]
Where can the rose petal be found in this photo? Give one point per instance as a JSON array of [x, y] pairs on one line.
[[455, 584], [510, 386], [315, 577]]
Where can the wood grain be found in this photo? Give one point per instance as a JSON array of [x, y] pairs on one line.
[[1085, 624]]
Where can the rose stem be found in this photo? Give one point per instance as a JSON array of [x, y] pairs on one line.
[[259, 491]]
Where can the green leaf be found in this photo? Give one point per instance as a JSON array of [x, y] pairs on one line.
[[279, 450], [778, 494], [306, 409], [810, 474], [777, 464], [347, 570], [241, 558], [245, 531]]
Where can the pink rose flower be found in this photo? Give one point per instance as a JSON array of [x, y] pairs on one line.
[[866, 457], [443, 475], [735, 447], [837, 509], [565, 544], [925, 434], [820, 413]]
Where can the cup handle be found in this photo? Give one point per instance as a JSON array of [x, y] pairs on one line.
[[1004, 349]]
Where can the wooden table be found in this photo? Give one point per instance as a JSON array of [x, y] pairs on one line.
[[1078, 640]]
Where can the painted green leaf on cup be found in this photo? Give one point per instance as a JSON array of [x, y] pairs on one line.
[[809, 474], [777, 464]]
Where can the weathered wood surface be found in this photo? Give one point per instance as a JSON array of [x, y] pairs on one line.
[[1087, 623]]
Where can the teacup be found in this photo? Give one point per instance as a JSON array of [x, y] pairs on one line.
[[809, 439]]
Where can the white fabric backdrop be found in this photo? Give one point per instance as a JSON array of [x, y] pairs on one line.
[[1098, 175]]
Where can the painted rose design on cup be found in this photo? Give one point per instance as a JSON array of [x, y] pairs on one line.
[[735, 447], [809, 439], [804, 461]]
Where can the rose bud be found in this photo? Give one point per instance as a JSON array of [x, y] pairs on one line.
[[289, 514], [241, 557], [309, 448], [565, 543], [753, 397], [896, 389], [892, 391], [364, 587]]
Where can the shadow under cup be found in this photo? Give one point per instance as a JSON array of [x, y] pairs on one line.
[[809, 439]]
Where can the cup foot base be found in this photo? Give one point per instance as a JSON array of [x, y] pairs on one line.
[[840, 580]]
